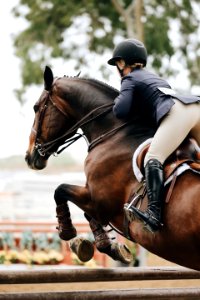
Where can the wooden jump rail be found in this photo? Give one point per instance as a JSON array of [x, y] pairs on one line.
[[96, 275], [132, 294], [105, 275]]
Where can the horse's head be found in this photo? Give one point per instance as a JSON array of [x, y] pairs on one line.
[[52, 118]]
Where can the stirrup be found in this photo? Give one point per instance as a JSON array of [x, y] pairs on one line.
[[129, 215], [148, 219], [133, 214]]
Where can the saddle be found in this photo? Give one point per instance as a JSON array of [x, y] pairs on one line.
[[188, 152]]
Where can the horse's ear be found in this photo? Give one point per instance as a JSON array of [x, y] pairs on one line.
[[48, 78]]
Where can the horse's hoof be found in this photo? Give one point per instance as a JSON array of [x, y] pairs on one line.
[[67, 234], [122, 253], [83, 248]]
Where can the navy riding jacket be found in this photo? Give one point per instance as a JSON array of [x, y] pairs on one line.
[[140, 95]]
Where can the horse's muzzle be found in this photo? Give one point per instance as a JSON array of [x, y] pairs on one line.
[[35, 161]]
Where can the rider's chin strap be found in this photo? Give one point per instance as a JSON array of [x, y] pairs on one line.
[[121, 71]]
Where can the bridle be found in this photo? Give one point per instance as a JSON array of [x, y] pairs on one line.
[[44, 149], [71, 136]]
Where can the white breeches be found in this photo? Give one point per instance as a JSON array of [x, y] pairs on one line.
[[183, 119]]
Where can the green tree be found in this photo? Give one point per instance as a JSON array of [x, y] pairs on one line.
[[61, 28]]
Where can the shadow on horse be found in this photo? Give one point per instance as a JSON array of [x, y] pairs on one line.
[[69, 103]]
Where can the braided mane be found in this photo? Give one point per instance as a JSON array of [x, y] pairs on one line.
[[95, 82]]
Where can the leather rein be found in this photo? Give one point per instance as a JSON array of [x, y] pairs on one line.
[[45, 148]]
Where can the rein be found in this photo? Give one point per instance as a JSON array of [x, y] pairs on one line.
[[45, 148], [102, 137]]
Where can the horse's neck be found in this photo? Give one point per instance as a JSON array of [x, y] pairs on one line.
[[88, 96], [102, 121]]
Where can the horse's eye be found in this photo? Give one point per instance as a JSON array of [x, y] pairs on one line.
[[36, 108]]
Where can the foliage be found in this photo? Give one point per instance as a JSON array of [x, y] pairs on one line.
[[76, 29], [7, 241], [27, 240], [31, 249], [35, 249], [41, 242], [30, 257]]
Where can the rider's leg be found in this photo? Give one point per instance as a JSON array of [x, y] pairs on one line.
[[182, 120], [174, 128], [155, 186]]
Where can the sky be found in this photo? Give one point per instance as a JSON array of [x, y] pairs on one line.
[[16, 120], [11, 117]]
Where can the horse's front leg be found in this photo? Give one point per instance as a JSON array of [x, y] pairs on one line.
[[79, 196], [82, 247]]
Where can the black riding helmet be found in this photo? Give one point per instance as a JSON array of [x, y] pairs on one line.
[[131, 51]]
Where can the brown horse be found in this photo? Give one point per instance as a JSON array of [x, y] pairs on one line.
[[67, 104]]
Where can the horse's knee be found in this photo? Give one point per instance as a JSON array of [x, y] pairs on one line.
[[60, 194]]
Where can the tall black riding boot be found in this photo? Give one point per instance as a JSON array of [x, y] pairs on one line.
[[154, 175]]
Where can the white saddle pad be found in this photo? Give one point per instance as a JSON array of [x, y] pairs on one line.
[[139, 176]]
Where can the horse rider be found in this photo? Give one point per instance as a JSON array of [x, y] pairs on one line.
[[173, 115]]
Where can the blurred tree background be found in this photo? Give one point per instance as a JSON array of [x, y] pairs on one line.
[[86, 31]]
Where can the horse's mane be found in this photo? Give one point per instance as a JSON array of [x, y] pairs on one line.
[[95, 82], [101, 83]]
